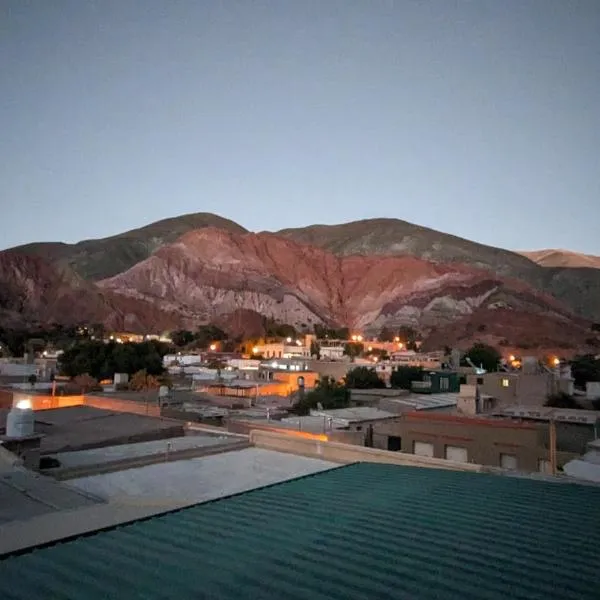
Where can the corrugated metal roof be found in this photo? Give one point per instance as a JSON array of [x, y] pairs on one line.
[[362, 531]]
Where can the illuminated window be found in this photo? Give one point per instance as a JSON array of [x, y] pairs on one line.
[[505, 382]]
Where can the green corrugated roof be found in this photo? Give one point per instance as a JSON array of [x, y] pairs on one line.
[[362, 531]]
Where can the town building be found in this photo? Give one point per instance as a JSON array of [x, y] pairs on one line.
[[495, 442]]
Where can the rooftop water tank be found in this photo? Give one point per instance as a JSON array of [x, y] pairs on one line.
[[20, 420]]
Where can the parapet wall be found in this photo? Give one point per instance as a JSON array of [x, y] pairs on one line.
[[345, 453]]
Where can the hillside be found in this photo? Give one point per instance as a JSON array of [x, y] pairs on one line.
[[210, 273], [562, 258], [33, 292], [368, 274], [102, 258], [396, 237]]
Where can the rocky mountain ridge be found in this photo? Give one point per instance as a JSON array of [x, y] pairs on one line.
[[367, 275], [562, 258]]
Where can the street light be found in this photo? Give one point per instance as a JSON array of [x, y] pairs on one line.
[[213, 347]]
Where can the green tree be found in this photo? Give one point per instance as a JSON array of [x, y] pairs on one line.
[[402, 377], [363, 378], [328, 393], [353, 349], [142, 381], [208, 334], [386, 335], [485, 356], [561, 400], [315, 350], [102, 361], [584, 369], [379, 353], [182, 338]]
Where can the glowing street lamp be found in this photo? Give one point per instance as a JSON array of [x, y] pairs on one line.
[[255, 350], [556, 362], [288, 340], [213, 347]]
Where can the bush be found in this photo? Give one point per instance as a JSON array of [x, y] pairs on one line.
[[363, 378], [402, 377]]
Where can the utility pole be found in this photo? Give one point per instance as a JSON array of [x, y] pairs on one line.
[[552, 446]]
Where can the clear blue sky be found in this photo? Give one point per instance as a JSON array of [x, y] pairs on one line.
[[478, 118]]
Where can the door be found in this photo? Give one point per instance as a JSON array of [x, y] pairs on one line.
[[508, 461], [456, 453], [394, 443], [423, 449]]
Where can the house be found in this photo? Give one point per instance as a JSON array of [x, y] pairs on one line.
[[489, 441]]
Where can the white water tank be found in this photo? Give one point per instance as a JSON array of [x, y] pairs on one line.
[[163, 391], [20, 420]]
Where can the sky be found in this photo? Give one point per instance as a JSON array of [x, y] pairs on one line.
[[476, 118]]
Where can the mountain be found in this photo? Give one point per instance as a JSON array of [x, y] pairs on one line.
[[102, 258], [33, 291], [562, 258], [210, 273], [398, 238], [382, 272], [576, 289]]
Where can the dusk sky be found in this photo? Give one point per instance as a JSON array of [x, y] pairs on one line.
[[477, 118]]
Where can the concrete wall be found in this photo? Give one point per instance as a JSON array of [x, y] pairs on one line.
[[484, 439], [514, 388], [343, 453]]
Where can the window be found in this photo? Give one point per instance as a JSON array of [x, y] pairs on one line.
[[456, 453], [505, 382], [508, 461], [544, 466], [394, 443], [480, 381], [444, 384]]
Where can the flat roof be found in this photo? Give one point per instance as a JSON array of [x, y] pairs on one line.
[[85, 427], [201, 479], [426, 401], [24, 495], [546, 413], [110, 454], [358, 531], [354, 414]]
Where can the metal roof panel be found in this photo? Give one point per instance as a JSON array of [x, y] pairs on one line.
[[361, 531]]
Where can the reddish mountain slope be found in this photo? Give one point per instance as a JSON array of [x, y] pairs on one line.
[[33, 291], [209, 273]]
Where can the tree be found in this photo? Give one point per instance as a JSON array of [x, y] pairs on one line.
[[561, 400], [363, 378], [182, 338], [102, 361], [402, 377], [385, 335], [584, 369], [207, 334], [332, 333], [328, 393], [353, 349], [142, 381], [85, 382], [379, 354], [315, 350], [484, 356]]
